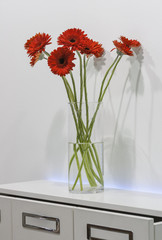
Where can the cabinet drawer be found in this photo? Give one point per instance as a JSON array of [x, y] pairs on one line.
[[44, 221], [5, 219], [103, 225]]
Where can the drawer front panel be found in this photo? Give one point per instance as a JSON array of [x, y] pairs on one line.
[[103, 225], [5, 219], [38, 220]]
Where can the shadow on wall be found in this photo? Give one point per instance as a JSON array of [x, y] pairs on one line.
[[120, 152], [54, 154], [121, 148], [121, 163]]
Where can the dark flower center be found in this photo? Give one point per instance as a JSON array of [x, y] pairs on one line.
[[72, 40], [61, 60], [87, 49]]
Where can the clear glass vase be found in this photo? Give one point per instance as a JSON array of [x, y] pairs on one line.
[[85, 148]]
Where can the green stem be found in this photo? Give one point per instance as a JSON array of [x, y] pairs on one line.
[[85, 162], [94, 158], [47, 53], [85, 94], [96, 162], [70, 100], [78, 166], [71, 95], [97, 178], [88, 60], [91, 168], [88, 167], [103, 81], [101, 98], [80, 122], [79, 172], [81, 81], [92, 121], [110, 77], [72, 158], [74, 88]]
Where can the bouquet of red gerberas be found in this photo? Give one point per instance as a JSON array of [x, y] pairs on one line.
[[85, 167]]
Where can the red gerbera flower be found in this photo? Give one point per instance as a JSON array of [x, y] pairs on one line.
[[37, 43], [88, 47], [71, 38], [123, 48], [61, 61], [131, 42]]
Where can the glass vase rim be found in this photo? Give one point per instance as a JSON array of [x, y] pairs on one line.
[[90, 143], [84, 102]]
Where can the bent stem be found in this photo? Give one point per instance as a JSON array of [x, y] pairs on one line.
[[81, 82], [78, 165], [106, 74], [101, 96], [85, 94]]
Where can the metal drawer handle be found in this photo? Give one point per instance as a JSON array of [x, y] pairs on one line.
[[90, 226], [27, 217]]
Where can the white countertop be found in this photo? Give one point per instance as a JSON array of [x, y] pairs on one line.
[[110, 199]]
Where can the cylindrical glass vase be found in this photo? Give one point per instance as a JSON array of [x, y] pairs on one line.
[[85, 148]]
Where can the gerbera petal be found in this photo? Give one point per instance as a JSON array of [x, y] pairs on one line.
[[130, 42], [35, 59]]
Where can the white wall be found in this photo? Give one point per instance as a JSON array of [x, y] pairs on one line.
[[33, 109]]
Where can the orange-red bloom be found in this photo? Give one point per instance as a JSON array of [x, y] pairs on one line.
[[123, 48], [131, 42], [71, 38], [90, 47], [37, 43], [35, 59], [61, 61], [125, 45]]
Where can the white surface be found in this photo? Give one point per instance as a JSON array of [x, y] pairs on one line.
[[112, 199], [33, 122]]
